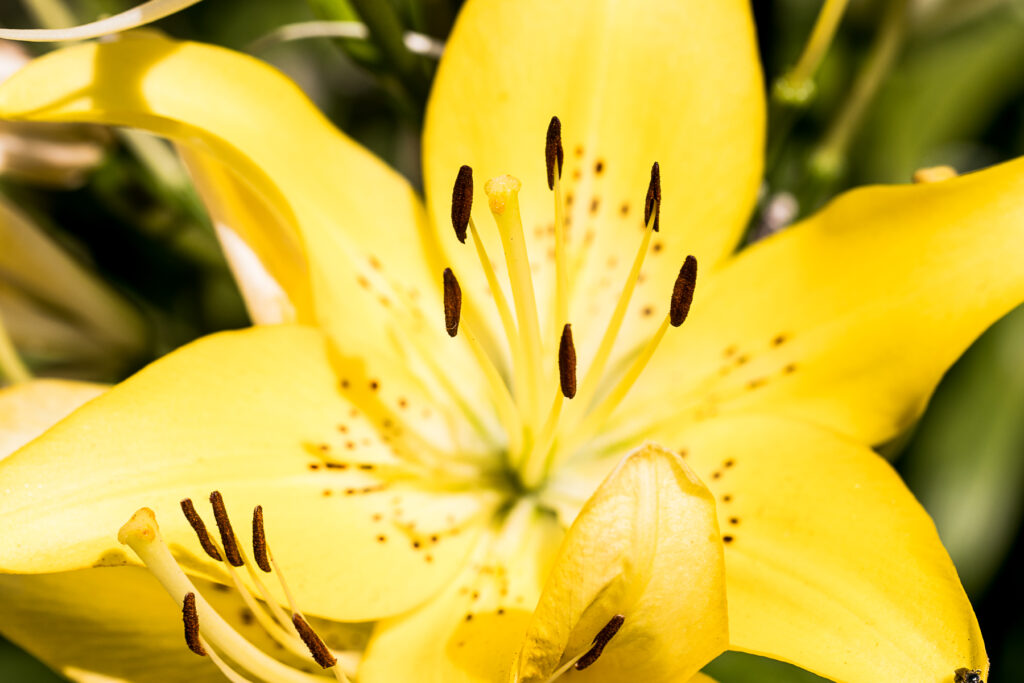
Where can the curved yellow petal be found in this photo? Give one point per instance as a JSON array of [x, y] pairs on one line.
[[368, 253], [472, 631], [27, 410], [116, 622], [258, 415], [673, 81], [254, 238], [644, 559], [113, 624], [831, 563], [701, 678], [850, 318]]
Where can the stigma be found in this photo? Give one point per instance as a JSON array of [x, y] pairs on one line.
[[207, 633], [548, 413]]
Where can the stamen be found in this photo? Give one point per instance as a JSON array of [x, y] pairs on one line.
[[553, 153], [142, 534], [537, 463], [597, 366], [200, 528], [600, 641], [567, 362], [507, 410], [227, 534], [653, 202], [462, 202], [586, 659], [317, 648], [452, 301], [501, 303], [259, 540], [682, 293], [191, 619]]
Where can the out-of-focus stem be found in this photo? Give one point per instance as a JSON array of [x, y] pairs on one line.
[[827, 162], [796, 87], [12, 368]]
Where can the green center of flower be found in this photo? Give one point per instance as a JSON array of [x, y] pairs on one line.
[[542, 431]]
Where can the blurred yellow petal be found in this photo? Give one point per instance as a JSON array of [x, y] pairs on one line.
[[831, 562], [262, 248], [256, 414], [29, 409], [471, 632], [673, 81], [367, 249], [113, 622], [851, 318], [643, 553]]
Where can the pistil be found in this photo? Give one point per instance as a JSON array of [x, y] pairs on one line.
[[503, 200]]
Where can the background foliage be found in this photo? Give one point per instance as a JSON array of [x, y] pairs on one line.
[[946, 88]]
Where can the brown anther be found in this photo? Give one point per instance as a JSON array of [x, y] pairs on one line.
[[653, 202], [197, 526], [259, 540], [553, 153], [452, 302], [321, 654], [227, 534], [600, 640], [190, 617], [462, 202], [682, 293], [567, 362]]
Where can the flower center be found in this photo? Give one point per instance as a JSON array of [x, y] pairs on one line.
[[543, 432]]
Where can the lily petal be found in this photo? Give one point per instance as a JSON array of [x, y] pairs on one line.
[[361, 226], [644, 550], [472, 631], [116, 622], [831, 563], [263, 250], [27, 410], [258, 415], [674, 81], [849, 319]]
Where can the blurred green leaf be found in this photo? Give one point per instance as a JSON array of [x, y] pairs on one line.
[[738, 667], [966, 463], [17, 666], [945, 91]]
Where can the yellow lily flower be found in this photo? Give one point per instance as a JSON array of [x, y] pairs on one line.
[[494, 520]]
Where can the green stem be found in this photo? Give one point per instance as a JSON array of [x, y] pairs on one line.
[[387, 32], [11, 366], [795, 89], [828, 161]]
